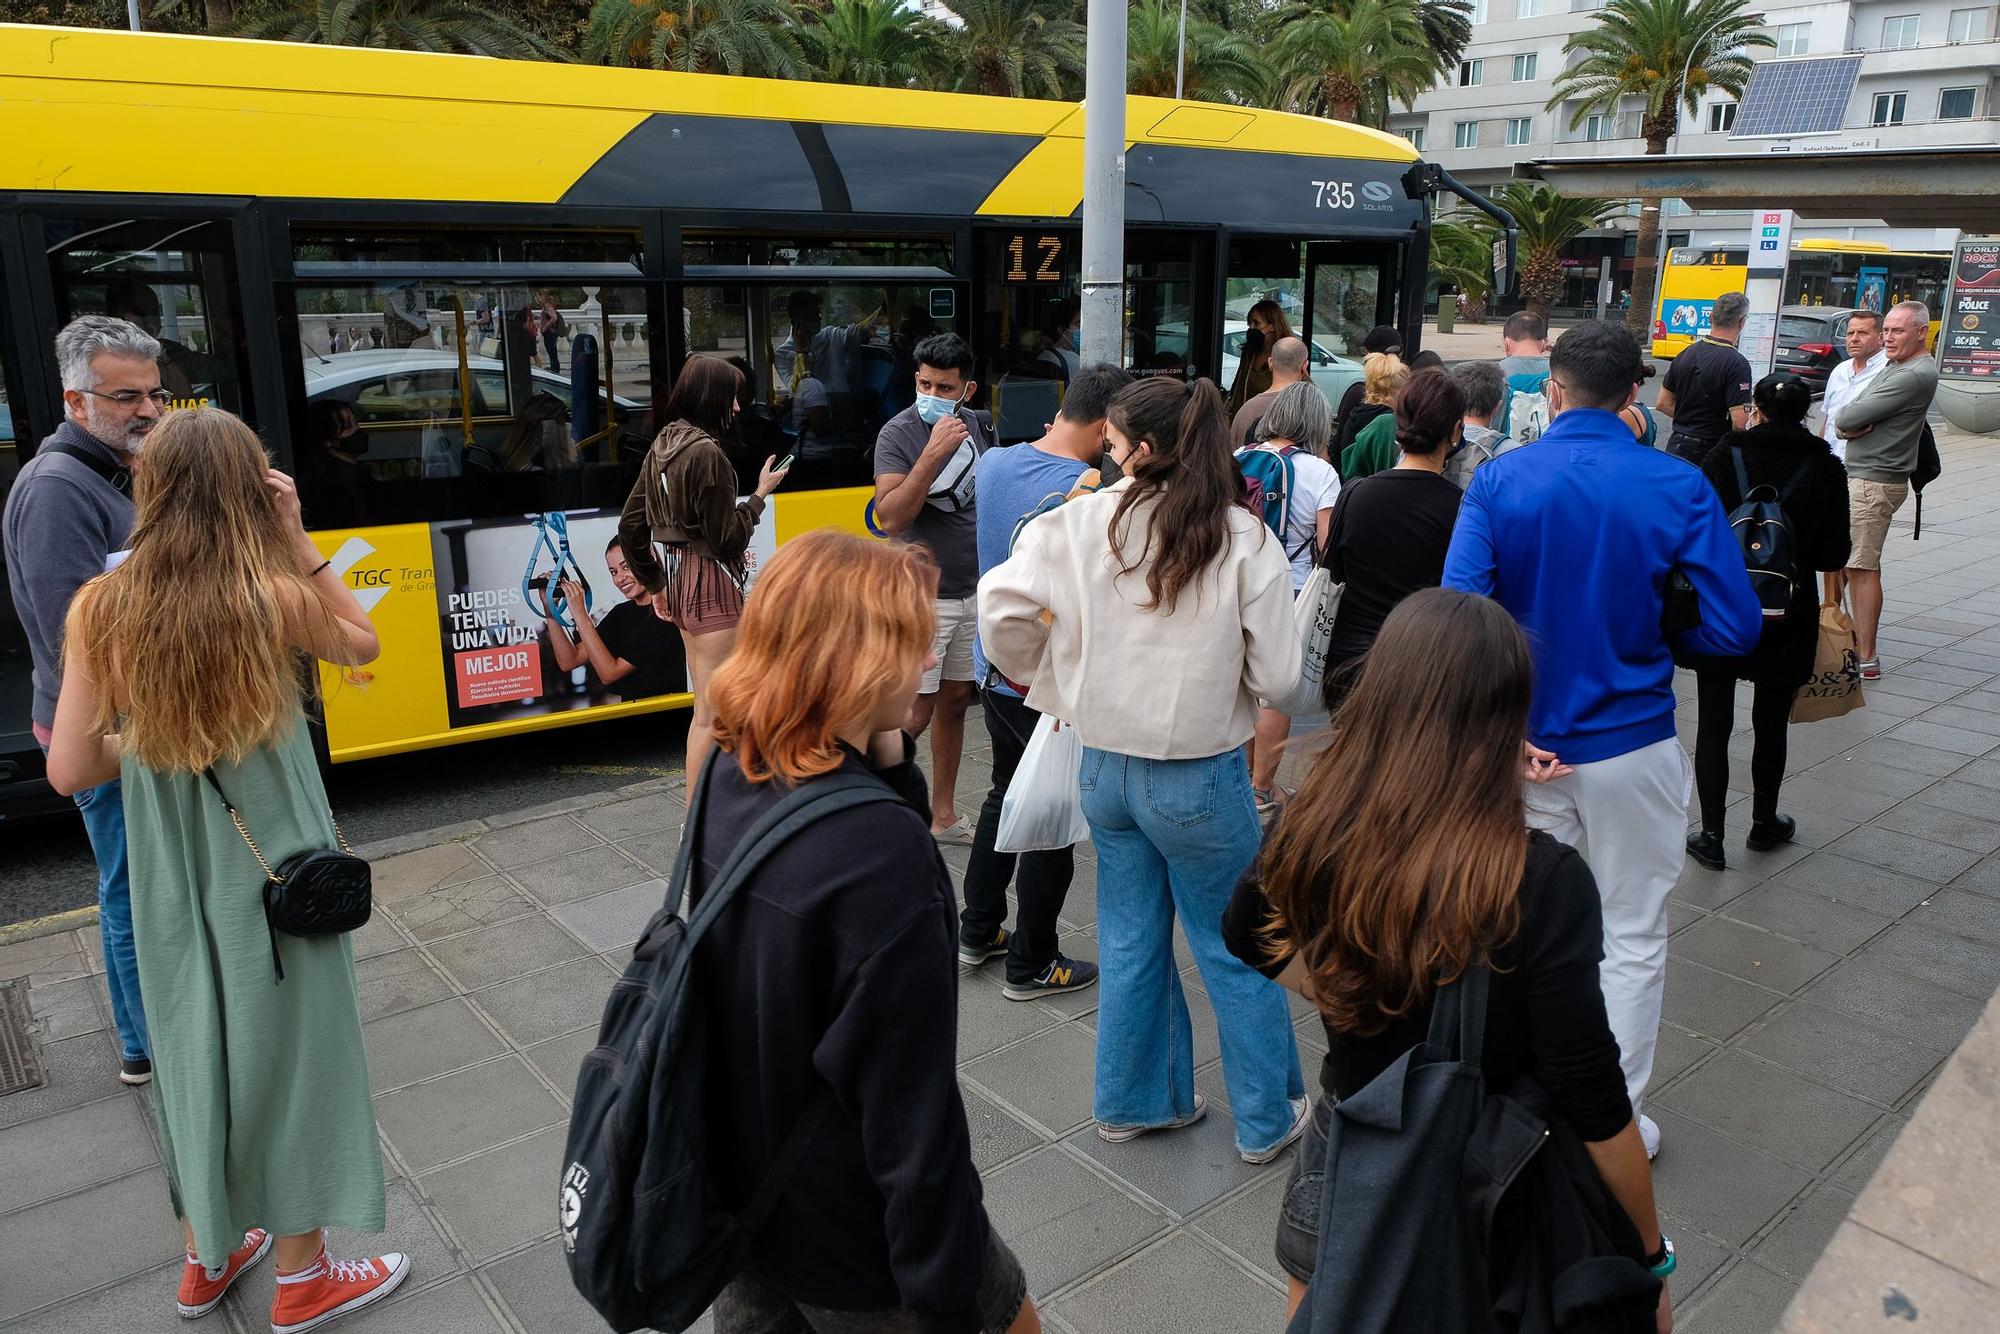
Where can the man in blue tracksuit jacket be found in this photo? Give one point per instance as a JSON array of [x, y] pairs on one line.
[[1575, 535]]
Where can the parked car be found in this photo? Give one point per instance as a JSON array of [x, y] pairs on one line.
[[1812, 340], [1329, 370]]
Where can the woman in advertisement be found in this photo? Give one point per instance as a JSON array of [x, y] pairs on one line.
[[632, 650], [685, 533]]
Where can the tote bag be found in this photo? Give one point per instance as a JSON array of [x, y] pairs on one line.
[[1314, 610], [1834, 688]]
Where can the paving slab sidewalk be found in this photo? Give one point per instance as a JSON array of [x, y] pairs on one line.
[[1813, 994]]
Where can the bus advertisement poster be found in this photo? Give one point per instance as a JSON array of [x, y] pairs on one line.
[[519, 602], [1687, 317], [1969, 341]]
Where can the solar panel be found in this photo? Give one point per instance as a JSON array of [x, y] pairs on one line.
[[1796, 97]]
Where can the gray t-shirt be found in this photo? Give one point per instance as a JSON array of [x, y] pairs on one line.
[[952, 536]]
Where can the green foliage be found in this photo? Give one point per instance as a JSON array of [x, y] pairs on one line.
[[759, 38], [1462, 254], [1545, 220], [1333, 56], [1010, 48], [1222, 66], [406, 25], [874, 42], [1638, 48]]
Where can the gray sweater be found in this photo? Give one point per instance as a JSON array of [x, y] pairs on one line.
[[61, 521], [1894, 404]]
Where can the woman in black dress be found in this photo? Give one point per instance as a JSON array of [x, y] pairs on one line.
[[1779, 452]]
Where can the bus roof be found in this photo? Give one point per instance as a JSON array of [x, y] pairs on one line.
[[98, 110]]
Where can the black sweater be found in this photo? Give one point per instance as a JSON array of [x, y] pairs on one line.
[[1817, 509], [1545, 1014], [836, 965]]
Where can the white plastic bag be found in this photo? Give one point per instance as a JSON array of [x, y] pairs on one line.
[[1315, 609], [1043, 808]]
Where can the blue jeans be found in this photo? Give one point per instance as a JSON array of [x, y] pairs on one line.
[[104, 820], [1174, 836]]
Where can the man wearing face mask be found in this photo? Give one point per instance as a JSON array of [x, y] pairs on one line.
[[1015, 484], [925, 457], [70, 508]]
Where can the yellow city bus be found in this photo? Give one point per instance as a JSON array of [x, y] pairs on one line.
[[1850, 275], [494, 270]]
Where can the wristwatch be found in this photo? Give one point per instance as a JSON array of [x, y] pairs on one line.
[[1662, 1261]]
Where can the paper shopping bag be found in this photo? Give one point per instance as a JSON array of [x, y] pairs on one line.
[[1834, 688]]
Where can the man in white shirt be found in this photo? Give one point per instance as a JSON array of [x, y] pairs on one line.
[[1844, 384], [1846, 381]]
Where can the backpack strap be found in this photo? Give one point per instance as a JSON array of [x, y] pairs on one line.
[[1742, 474], [1458, 1014], [119, 478]]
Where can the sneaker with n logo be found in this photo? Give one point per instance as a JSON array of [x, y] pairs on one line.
[[328, 1288], [202, 1288], [1062, 974]]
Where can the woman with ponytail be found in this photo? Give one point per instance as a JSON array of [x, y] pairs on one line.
[[1152, 616], [1390, 530]]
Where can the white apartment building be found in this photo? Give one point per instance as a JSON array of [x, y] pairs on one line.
[[1927, 77]]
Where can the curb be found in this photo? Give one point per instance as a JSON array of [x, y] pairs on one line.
[[35, 928]]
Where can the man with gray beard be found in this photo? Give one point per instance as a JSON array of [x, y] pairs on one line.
[[70, 509]]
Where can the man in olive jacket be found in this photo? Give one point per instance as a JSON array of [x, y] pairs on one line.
[[1882, 426]]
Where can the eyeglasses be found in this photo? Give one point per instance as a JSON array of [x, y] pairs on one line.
[[129, 398]]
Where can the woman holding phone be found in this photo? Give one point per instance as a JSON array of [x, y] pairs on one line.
[[685, 534]]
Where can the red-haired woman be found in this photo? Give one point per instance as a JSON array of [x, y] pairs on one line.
[[685, 502], [835, 967]]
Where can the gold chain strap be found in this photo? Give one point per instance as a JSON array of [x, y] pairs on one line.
[[258, 852]]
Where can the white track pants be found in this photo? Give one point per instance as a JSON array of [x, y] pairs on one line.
[[1629, 815]]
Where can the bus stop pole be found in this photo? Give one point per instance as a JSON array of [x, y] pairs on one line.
[[1104, 184]]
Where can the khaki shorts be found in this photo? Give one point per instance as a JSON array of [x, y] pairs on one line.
[[957, 619], [1870, 506]]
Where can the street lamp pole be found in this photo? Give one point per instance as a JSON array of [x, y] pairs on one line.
[[132, 16], [1181, 63], [1103, 183], [1674, 141]]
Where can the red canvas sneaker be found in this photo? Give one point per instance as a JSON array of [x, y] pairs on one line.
[[327, 1289], [201, 1291]]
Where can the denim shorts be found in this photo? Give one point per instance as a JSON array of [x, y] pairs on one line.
[[1298, 1221], [754, 1305]]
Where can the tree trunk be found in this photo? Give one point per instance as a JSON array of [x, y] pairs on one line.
[[219, 13], [1646, 247], [1343, 98]]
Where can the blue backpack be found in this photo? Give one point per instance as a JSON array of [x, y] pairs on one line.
[[1268, 475]]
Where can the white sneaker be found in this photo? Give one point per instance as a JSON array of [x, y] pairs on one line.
[[1649, 1134], [1301, 1114], [1119, 1134]]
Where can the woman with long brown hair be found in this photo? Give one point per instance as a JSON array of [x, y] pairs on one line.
[[1404, 860], [1170, 615], [685, 502], [1268, 324], [828, 982], [181, 686]]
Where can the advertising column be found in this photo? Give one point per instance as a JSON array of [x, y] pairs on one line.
[[1968, 348], [1770, 251]]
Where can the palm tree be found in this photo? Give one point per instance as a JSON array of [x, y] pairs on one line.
[[753, 37], [1447, 26], [1639, 48], [1547, 222], [1009, 48], [873, 42], [1328, 54], [1462, 258], [1222, 66], [409, 25]]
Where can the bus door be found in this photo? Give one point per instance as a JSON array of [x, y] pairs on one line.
[[1350, 288]]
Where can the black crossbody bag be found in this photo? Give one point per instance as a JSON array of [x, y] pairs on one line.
[[318, 892]]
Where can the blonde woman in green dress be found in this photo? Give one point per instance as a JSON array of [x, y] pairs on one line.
[[186, 657]]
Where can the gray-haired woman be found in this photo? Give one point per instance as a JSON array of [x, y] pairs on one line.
[[1298, 425]]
